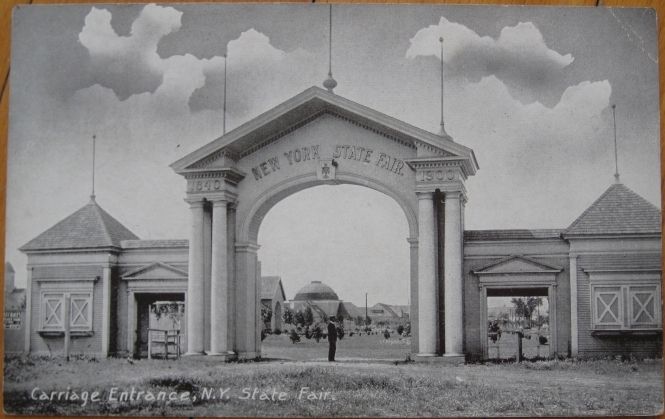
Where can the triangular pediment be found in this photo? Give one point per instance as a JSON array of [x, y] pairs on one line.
[[301, 110], [517, 264], [157, 270]]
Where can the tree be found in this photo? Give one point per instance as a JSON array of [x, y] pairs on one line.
[[266, 315], [172, 310], [294, 336], [299, 318], [340, 319], [400, 329], [524, 307], [340, 331], [368, 321], [317, 333], [287, 316], [359, 321], [308, 316]]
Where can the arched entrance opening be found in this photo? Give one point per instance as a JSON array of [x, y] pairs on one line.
[[330, 245], [319, 138]]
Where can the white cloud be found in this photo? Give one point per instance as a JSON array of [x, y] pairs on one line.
[[519, 56], [128, 64]]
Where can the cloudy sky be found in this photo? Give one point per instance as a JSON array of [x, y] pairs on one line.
[[529, 89]]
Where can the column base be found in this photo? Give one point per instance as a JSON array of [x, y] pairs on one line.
[[248, 355], [448, 359], [193, 353], [223, 356]]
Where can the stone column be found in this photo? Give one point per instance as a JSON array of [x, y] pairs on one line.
[[219, 286], [195, 285], [427, 292], [452, 262], [246, 344]]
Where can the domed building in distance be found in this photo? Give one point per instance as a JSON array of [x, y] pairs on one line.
[[323, 301], [316, 291]]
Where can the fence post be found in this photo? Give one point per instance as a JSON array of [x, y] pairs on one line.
[[67, 320]]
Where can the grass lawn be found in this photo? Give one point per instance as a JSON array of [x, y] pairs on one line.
[[605, 387]]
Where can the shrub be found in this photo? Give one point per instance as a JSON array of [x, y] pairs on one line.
[[277, 331], [294, 336], [317, 333], [386, 334], [340, 332], [400, 329]]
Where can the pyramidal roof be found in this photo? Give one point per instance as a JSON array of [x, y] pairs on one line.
[[89, 227], [618, 210]]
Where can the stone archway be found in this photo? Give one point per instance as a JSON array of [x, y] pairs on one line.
[[312, 139]]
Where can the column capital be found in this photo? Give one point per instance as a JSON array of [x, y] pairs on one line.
[[195, 202], [225, 197], [425, 194], [413, 242], [454, 195]]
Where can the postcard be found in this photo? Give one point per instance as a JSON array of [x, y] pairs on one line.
[[333, 210]]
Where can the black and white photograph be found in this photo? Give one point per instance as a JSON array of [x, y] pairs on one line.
[[320, 210]]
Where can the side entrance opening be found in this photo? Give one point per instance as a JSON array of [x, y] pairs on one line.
[[518, 324], [159, 325]]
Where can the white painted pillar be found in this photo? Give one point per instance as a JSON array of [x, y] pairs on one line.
[[573, 306], [195, 284], [219, 286], [106, 310], [452, 266], [246, 305], [427, 308]]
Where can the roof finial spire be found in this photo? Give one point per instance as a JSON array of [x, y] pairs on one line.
[[226, 59], [443, 129], [92, 195], [616, 153], [330, 83]]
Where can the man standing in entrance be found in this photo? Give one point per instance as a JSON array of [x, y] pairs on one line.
[[332, 340]]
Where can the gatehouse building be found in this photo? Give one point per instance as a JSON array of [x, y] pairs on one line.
[[601, 274]]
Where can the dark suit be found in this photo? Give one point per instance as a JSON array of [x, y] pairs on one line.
[[332, 341]]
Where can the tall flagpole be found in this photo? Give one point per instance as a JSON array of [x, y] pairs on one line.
[[616, 152], [443, 130], [226, 59], [94, 138], [330, 82]]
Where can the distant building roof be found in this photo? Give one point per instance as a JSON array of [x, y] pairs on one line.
[[515, 234], [618, 210], [89, 227], [269, 285], [353, 310], [316, 291], [147, 244]]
